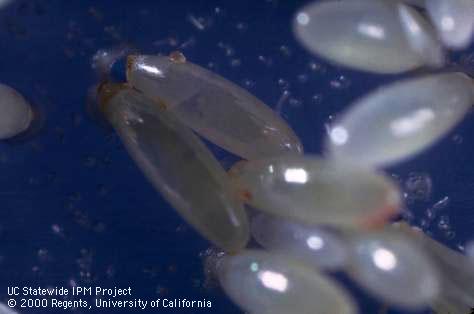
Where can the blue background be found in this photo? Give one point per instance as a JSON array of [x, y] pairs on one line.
[[74, 207]]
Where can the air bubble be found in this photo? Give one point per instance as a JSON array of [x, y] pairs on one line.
[[228, 50], [211, 65], [43, 255], [265, 60], [90, 162], [284, 84], [295, 102], [112, 31], [190, 42], [281, 101], [57, 230], [72, 282], [317, 99], [235, 63], [408, 215], [218, 11], [104, 59], [248, 83], [161, 290], [424, 224], [317, 67], [458, 139], [76, 119], [340, 82], [102, 190], [285, 51], [170, 41], [241, 26], [449, 234], [200, 23], [439, 206], [418, 187], [95, 13], [443, 223], [211, 258], [302, 78]]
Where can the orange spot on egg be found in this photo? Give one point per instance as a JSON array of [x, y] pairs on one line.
[[131, 62], [236, 168], [177, 57], [379, 218], [246, 195]]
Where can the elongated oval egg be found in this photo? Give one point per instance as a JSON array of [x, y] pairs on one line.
[[399, 120], [457, 273], [368, 35], [313, 191], [214, 107], [393, 269], [178, 165], [421, 35], [16, 114], [316, 245], [261, 282], [6, 310], [454, 20], [470, 251]]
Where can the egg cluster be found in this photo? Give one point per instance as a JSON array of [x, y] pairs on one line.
[[311, 214]]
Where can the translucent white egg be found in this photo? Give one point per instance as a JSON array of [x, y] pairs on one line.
[[421, 36], [316, 245], [212, 106], [399, 120], [457, 274], [178, 165], [454, 20], [470, 250], [16, 114], [266, 283], [394, 270], [4, 309], [314, 191], [370, 35], [4, 3]]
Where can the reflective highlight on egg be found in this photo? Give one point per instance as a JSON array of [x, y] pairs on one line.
[[394, 270], [454, 20], [316, 245]]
